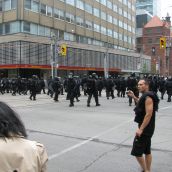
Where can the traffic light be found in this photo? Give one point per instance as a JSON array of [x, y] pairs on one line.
[[162, 43], [63, 49]]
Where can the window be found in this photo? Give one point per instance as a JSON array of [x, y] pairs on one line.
[[103, 30], [61, 14], [133, 18], [129, 16], [49, 11], [80, 4], [34, 29], [70, 2], [109, 18], [115, 21], [56, 13], [26, 26], [96, 12], [120, 11], [96, 27], [129, 4], [14, 27], [125, 26], [129, 28], [88, 24], [120, 37], [88, 8], [35, 6], [47, 31], [103, 15], [27, 4], [103, 2], [7, 28], [41, 31], [7, 5], [125, 14], [109, 4], [13, 4], [70, 18], [43, 9], [125, 38], [79, 21], [125, 2], [68, 37], [115, 35], [120, 24], [129, 39], [115, 8], [109, 32]]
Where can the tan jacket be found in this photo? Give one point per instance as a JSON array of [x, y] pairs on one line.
[[22, 155]]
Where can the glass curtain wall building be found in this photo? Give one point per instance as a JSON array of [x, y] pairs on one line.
[[152, 6], [91, 30]]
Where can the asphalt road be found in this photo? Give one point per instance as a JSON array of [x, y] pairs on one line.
[[92, 139]]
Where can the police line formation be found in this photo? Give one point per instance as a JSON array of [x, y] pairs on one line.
[[92, 86]]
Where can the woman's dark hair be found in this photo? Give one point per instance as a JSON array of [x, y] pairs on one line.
[[10, 123]]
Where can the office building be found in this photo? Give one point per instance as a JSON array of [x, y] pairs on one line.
[[93, 31]]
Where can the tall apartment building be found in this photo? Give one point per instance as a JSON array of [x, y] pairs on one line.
[[91, 29]]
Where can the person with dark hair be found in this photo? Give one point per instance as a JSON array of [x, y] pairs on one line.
[[17, 153], [145, 111]]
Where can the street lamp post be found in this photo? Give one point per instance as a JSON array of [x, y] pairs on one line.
[[105, 63], [54, 54]]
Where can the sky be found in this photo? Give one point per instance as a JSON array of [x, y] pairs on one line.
[[165, 7]]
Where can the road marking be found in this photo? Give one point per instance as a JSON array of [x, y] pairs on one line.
[[94, 137], [87, 141], [168, 107]]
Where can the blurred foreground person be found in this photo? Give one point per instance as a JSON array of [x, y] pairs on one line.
[[18, 154]]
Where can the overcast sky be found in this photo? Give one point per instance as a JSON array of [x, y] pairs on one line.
[[165, 4]]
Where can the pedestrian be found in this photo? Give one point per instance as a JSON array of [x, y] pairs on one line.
[[145, 111], [18, 154]]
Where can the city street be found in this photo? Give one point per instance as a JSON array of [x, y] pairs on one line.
[[92, 139]]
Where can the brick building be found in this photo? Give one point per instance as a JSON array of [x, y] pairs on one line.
[[150, 43]]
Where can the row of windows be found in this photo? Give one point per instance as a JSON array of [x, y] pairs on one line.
[[16, 27], [107, 3], [49, 11], [60, 14], [24, 53], [39, 54]]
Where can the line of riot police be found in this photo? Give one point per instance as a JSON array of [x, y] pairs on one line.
[[92, 86]]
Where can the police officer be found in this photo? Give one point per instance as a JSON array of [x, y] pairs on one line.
[[71, 88], [92, 90], [56, 85], [109, 84], [33, 87], [132, 85], [168, 86]]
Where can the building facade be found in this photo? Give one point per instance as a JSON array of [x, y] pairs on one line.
[[161, 54], [93, 30]]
